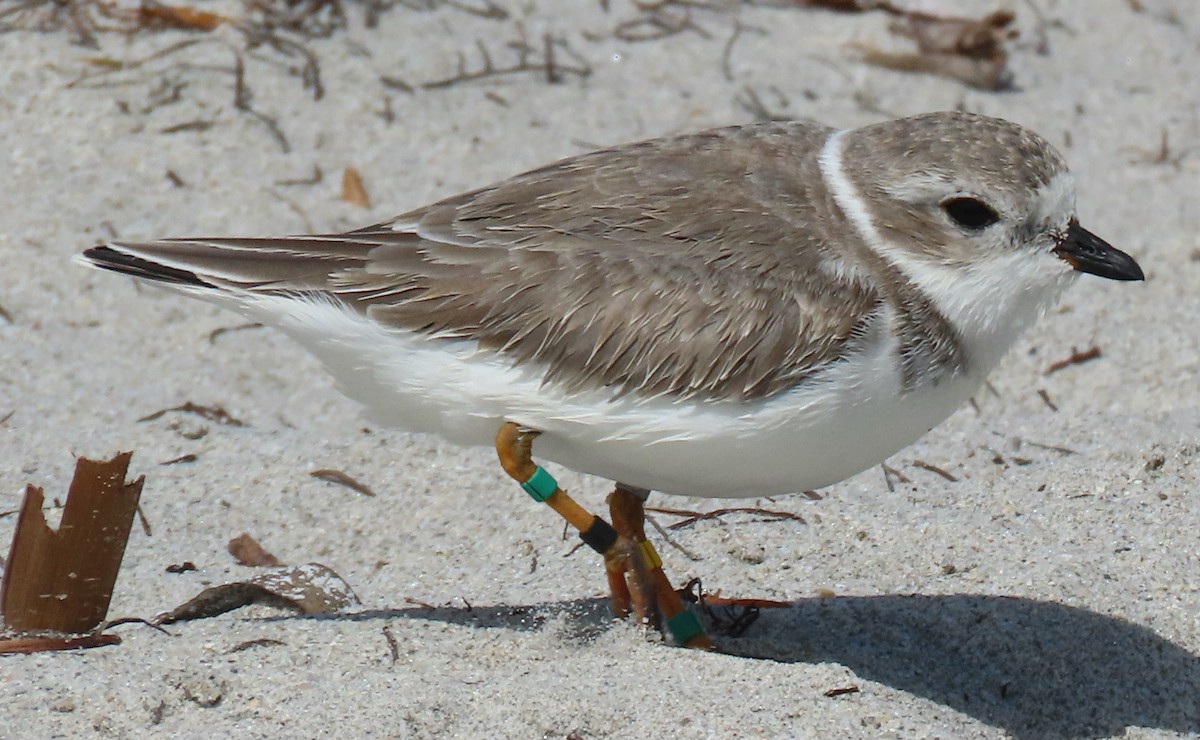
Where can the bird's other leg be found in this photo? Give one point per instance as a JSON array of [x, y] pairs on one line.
[[644, 581]]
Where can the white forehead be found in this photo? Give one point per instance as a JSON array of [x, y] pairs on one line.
[[1054, 202], [1050, 202]]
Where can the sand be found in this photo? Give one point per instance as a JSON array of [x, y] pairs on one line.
[[1039, 594]]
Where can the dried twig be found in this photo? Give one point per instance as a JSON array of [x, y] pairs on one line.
[[1076, 358], [1045, 396], [78, 562], [211, 413], [934, 469], [890, 473], [342, 479], [393, 647], [528, 61], [691, 517]]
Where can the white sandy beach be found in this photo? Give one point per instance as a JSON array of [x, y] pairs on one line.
[[1040, 594]]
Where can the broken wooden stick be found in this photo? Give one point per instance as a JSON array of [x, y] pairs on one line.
[[62, 580]]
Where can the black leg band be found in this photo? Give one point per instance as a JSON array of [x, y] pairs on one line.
[[599, 536]]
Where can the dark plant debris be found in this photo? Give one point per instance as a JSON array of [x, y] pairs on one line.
[[729, 617], [211, 413], [1045, 396], [260, 642], [141, 515], [393, 646], [283, 34], [1076, 358], [528, 59], [891, 474], [691, 517], [305, 589], [934, 469], [216, 333], [342, 479]]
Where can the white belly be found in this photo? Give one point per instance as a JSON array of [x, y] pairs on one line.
[[796, 441]]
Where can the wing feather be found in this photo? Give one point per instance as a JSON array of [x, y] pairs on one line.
[[710, 265]]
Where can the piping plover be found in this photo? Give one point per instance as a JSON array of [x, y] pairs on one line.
[[746, 311]]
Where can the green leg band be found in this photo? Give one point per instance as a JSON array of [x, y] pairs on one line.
[[541, 485], [684, 626]]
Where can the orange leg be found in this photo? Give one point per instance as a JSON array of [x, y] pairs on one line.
[[635, 573], [626, 506]]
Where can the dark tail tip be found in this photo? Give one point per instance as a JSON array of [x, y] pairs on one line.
[[107, 258]]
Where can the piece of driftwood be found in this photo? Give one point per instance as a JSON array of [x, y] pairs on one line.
[[62, 580]]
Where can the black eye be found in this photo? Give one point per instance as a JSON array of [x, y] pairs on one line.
[[970, 213]]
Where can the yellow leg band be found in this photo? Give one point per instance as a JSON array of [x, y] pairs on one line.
[[651, 555]]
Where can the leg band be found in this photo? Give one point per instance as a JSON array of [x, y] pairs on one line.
[[600, 536], [684, 626], [541, 485], [651, 555]]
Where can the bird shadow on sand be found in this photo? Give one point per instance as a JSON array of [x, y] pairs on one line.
[[1036, 669]]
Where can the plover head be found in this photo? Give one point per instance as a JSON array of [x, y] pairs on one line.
[[978, 213]]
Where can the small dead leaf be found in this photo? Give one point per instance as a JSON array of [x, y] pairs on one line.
[[154, 15], [969, 37], [246, 550], [353, 190], [984, 74], [307, 589]]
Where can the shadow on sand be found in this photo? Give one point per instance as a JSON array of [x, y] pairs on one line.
[[1036, 669]]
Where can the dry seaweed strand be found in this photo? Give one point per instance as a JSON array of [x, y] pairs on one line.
[[657, 21], [935, 470], [393, 646], [750, 101], [212, 413], [691, 517], [279, 27], [530, 60], [1076, 358], [729, 616], [342, 479], [84, 19], [1045, 396], [890, 474]]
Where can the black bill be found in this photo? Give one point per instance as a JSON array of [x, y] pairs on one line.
[[1087, 252]]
